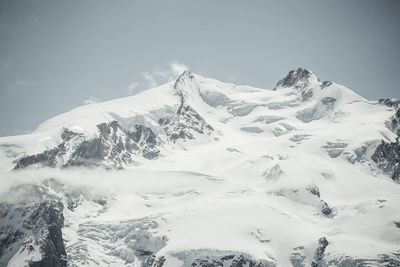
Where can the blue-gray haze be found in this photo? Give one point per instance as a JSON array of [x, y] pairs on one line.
[[55, 55]]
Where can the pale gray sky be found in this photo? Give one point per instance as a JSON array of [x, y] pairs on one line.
[[56, 55]]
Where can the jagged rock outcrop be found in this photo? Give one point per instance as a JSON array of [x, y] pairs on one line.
[[216, 258], [295, 78], [390, 102], [325, 209], [186, 121], [387, 158], [32, 231], [300, 79], [319, 253], [326, 84], [328, 102], [229, 261], [114, 147], [387, 154], [297, 258]]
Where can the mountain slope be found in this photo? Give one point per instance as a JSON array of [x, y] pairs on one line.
[[198, 172]]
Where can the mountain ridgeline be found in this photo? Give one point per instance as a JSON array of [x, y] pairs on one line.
[[115, 146], [197, 172]]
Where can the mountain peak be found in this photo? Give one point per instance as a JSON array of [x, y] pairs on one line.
[[303, 80], [183, 78], [298, 79]]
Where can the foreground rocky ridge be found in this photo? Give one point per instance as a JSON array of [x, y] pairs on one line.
[[32, 230]]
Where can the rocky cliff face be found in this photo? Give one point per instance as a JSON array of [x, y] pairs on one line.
[[387, 154], [114, 147], [387, 158], [304, 81], [32, 231], [187, 122]]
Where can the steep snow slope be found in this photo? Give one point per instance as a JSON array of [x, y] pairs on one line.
[[210, 174]]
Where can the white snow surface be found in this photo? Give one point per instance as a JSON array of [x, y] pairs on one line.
[[240, 190]]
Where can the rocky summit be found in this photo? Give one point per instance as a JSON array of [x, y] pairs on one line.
[[198, 172]]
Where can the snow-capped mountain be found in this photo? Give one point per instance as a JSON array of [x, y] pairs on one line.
[[198, 172]]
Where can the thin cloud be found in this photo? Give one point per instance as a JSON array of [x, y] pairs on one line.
[[150, 79], [133, 87], [178, 68], [90, 100], [232, 78], [20, 84]]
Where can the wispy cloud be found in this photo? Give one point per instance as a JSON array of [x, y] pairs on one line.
[[133, 87], [159, 75], [177, 68], [91, 100], [232, 78], [20, 84], [150, 78]]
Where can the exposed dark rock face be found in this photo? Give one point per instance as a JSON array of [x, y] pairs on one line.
[[112, 148], [387, 154], [152, 261], [319, 253], [313, 189], [300, 80], [387, 158], [297, 258], [325, 209], [187, 121], [390, 102], [47, 158], [210, 258], [297, 78], [328, 102], [326, 84], [33, 228]]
